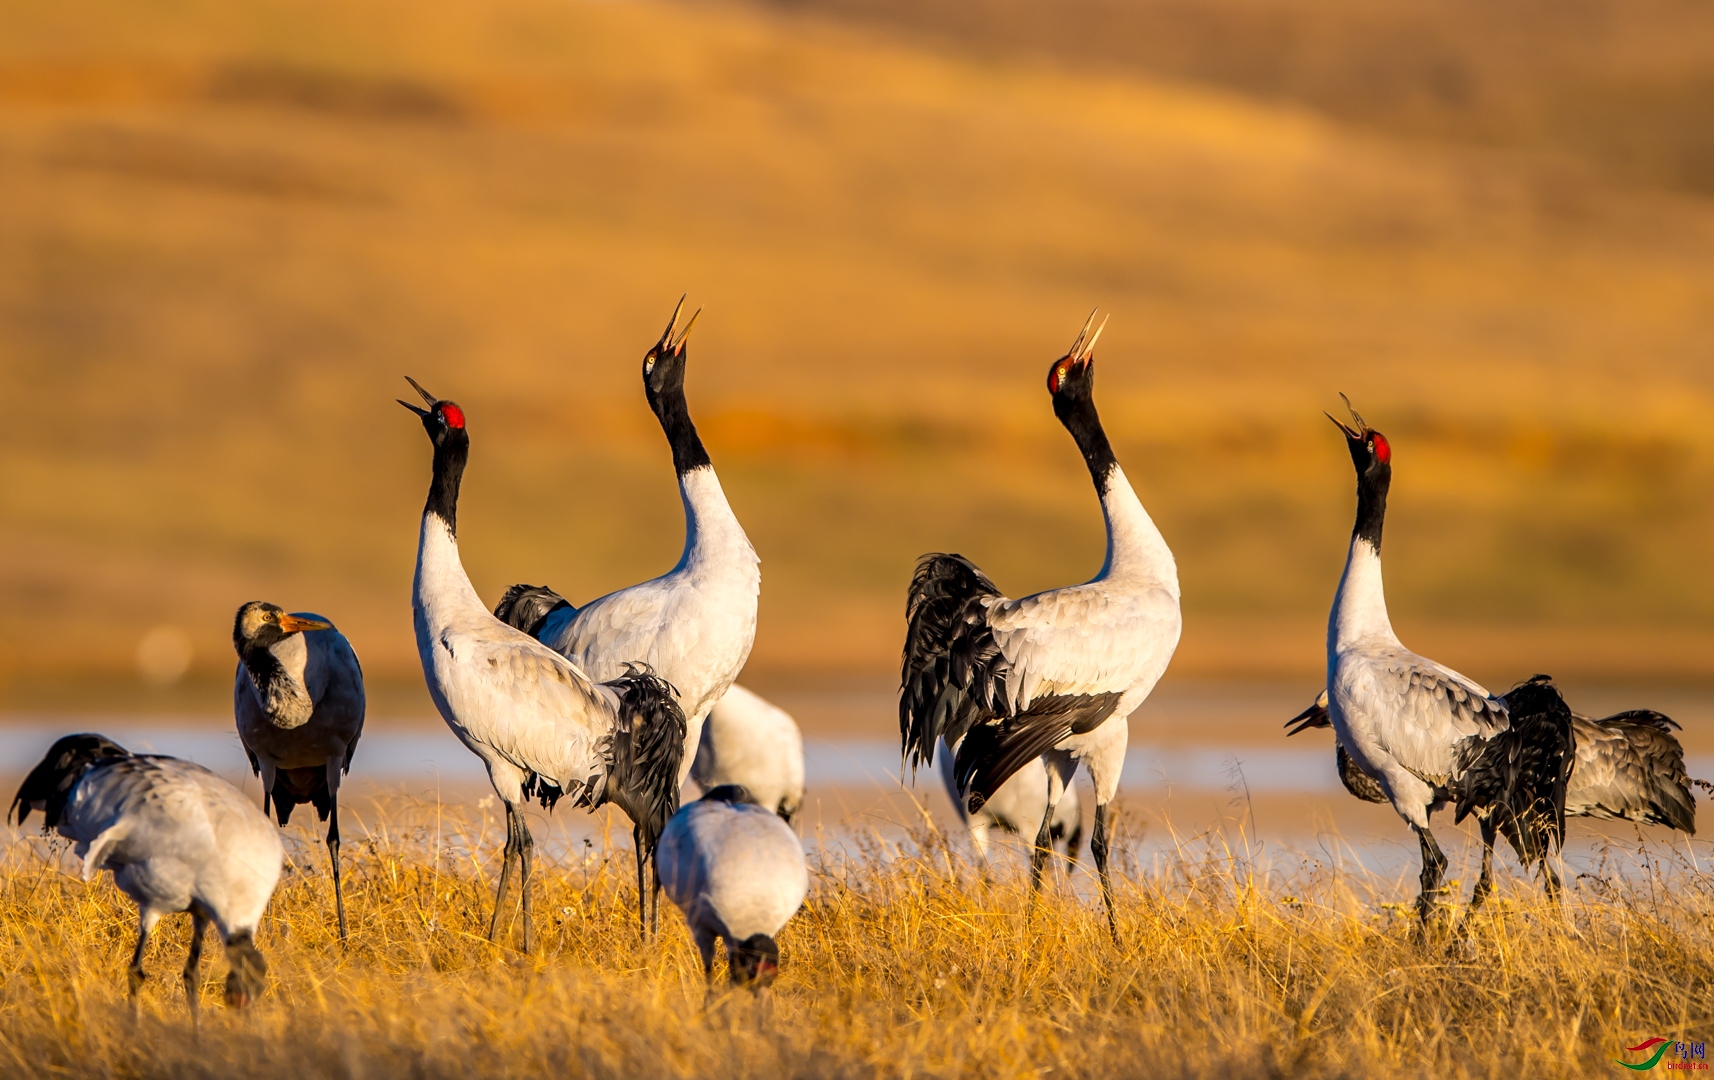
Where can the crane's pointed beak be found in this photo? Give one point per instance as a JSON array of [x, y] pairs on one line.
[[678, 342], [291, 624], [1313, 717], [667, 334], [426, 396], [413, 408]]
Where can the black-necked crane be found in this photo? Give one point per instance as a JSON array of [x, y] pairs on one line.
[[737, 872], [1627, 766], [542, 727], [749, 741], [694, 625], [1017, 808], [299, 703], [1426, 734], [176, 837], [1053, 675]]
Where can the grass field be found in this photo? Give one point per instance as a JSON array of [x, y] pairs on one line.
[[225, 233], [903, 963]]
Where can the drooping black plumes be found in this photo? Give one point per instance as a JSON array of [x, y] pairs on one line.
[[1518, 776], [52, 780], [951, 676], [526, 607], [992, 752], [644, 751]]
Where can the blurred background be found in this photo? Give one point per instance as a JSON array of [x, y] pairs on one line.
[[228, 230]]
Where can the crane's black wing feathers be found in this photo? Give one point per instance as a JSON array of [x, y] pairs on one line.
[[952, 676], [993, 750], [1519, 775]]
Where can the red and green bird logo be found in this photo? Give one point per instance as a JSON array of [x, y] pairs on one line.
[[1660, 1046]]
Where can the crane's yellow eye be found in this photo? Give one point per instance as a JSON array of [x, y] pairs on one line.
[[649, 364]]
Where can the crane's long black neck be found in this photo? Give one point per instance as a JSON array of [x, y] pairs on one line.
[[1080, 418], [674, 415], [1372, 486], [450, 455]]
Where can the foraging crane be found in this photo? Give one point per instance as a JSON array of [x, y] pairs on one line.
[[299, 703], [693, 625], [737, 872], [1052, 675], [542, 727], [1627, 766], [1426, 734], [755, 744], [1017, 808], [177, 838]]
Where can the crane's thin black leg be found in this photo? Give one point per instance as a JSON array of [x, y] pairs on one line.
[[198, 925], [526, 860], [505, 870], [1043, 847], [642, 888], [135, 973], [654, 897], [1433, 869], [1485, 883], [1099, 846], [333, 853]]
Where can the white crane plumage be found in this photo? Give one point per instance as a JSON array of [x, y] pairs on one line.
[[1017, 808], [1054, 675], [749, 741], [541, 726], [737, 872], [1627, 766], [1426, 734], [299, 703], [695, 624], [176, 837]]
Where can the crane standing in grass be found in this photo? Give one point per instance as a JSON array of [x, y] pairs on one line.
[[177, 838], [1627, 766], [299, 703], [1055, 675], [1425, 734], [695, 624], [542, 727]]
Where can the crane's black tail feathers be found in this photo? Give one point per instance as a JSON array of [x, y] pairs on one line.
[[526, 607], [1657, 760], [294, 787], [52, 780], [951, 675], [1519, 776], [992, 752], [644, 751]]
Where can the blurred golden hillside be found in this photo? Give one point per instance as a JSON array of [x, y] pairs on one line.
[[227, 230]]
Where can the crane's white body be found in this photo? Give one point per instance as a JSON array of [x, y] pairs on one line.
[[1114, 633], [513, 702], [1016, 808], [175, 836], [734, 869], [693, 625], [313, 718], [1400, 716], [754, 743]]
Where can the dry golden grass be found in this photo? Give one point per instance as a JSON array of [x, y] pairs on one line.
[[901, 964]]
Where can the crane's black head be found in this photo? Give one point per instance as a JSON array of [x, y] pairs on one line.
[[1373, 457], [1313, 717], [444, 422], [1071, 383], [753, 962], [663, 385], [261, 625], [249, 974], [49, 785], [728, 793]]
